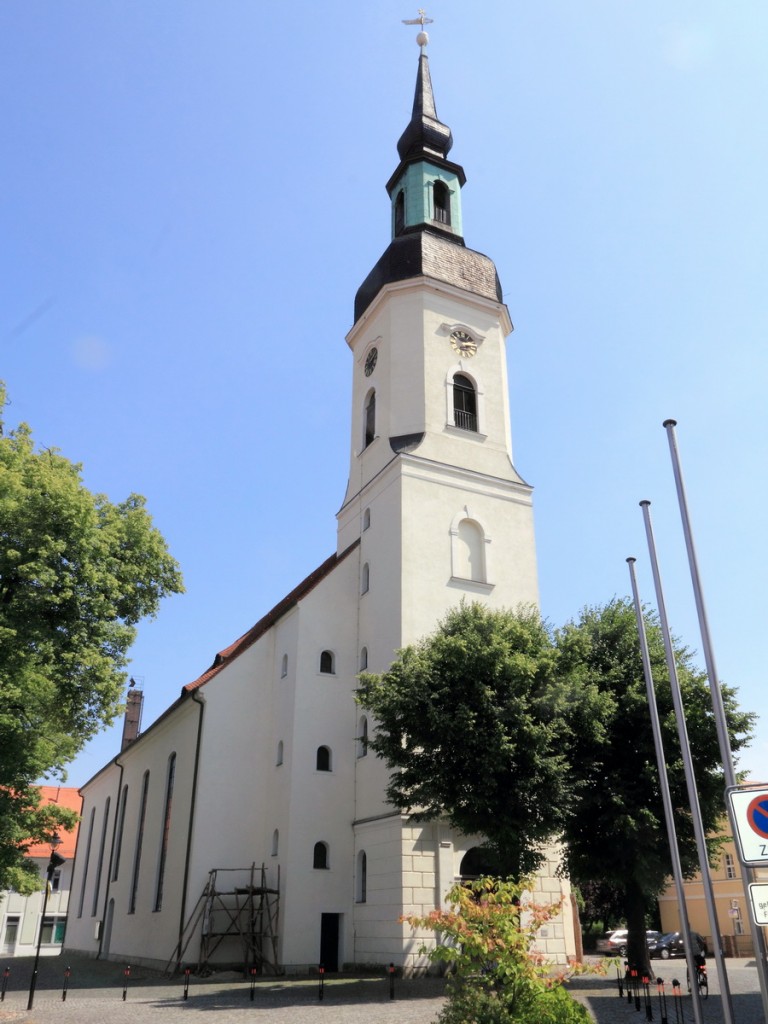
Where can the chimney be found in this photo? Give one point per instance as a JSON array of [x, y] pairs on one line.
[[133, 708]]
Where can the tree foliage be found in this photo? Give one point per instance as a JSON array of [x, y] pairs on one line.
[[617, 833], [77, 573], [488, 938], [474, 724]]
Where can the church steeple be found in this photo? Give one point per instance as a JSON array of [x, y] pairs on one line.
[[425, 193], [425, 135]]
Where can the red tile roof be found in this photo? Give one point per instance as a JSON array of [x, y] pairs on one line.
[[64, 796], [228, 655]]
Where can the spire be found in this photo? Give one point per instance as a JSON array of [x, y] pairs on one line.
[[425, 134]]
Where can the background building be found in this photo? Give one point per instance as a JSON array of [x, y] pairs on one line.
[[249, 823], [20, 916]]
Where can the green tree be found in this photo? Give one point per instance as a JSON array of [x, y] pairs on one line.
[[474, 725], [77, 573], [617, 832]]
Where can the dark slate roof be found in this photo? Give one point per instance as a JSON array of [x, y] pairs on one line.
[[228, 655], [406, 442], [425, 135], [428, 253]]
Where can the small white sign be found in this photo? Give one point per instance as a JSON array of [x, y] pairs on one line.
[[758, 896], [750, 816]]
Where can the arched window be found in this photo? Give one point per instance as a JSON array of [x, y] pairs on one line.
[[100, 861], [326, 663], [279, 759], [139, 842], [363, 659], [275, 842], [320, 856], [477, 862], [399, 212], [120, 828], [441, 199], [366, 519], [284, 667], [470, 552], [369, 419], [323, 760], [87, 861], [362, 737], [365, 579], [166, 831], [362, 877], [464, 403]]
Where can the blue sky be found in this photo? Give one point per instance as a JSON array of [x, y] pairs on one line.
[[193, 191]]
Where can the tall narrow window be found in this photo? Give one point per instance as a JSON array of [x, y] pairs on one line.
[[166, 831], [100, 861], [441, 199], [279, 759], [370, 419], [362, 737], [120, 827], [365, 579], [284, 667], [730, 866], [464, 403], [139, 841], [275, 842], [323, 759], [399, 212], [362, 877], [366, 519], [469, 552], [363, 659], [320, 856], [87, 862]]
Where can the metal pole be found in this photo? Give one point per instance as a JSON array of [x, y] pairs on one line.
[[33, 981], [666, 796], [758, 939], [690, 781]]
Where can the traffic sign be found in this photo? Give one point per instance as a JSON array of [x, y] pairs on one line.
[[758, 898], [749, 808]]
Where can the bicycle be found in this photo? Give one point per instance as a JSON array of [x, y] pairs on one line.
[[701, 976]]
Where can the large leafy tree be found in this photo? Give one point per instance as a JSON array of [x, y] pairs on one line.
[[77, 573], [475, 726], [617, 834]]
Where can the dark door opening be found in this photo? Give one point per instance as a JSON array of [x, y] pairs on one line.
[[329, 941]]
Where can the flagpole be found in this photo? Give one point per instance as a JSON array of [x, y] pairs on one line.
[[690, 779], [666, 797], [758, 939]]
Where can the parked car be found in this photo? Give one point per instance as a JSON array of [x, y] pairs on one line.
[[672, 944], [614, 943]]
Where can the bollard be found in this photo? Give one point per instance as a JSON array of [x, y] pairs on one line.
[[628, 981], [321, 970], [391, 981], [620, 982], [253, 983], [126, 976], [187, 972], [662, 1000], [677, 992], [636, 986], [647, 996], [67, 973], [6, 975]]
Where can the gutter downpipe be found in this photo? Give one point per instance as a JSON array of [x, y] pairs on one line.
[[188, 856]]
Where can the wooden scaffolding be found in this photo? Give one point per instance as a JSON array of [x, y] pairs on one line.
[[238, 911]]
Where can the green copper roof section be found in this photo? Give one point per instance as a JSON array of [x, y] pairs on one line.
[[416, 183]]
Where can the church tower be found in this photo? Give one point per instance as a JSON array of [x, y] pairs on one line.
[[433, 492]]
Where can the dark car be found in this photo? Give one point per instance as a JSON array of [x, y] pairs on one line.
[[673, 944]]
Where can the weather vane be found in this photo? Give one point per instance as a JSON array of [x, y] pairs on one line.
[[422, 38]]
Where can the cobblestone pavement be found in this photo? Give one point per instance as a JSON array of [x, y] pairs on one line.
[[95, 997]]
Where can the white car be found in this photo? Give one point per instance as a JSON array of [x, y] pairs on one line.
[[614, 943]]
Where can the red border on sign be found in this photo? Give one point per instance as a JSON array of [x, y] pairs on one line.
[[756, 803]]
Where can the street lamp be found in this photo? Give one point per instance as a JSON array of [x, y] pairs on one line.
[[55, 862]]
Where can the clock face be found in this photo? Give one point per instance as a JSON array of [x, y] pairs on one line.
[[463, 343], [370, 361]]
